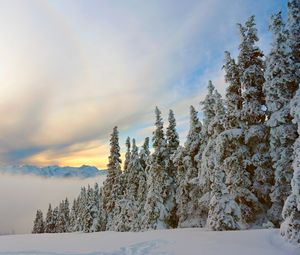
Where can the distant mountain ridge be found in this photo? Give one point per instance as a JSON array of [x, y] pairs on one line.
[[55, 171]]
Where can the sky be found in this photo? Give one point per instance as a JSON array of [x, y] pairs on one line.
[[72, 70]]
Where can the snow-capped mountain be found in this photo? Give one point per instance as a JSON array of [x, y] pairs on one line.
[[54, 171]]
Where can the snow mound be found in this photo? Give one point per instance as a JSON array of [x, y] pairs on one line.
[[177, 241]]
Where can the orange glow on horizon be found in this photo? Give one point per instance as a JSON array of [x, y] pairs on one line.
[[91, 154], [77, 155]]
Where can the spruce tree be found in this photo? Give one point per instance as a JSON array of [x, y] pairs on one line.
[[159, 206], [290, 228], [61, 224], [234, 99], [73, 226], [208, 104], [294, 36], [253, 113], [55, 219], [49, 224], [38, 224], [171, 134], [185, 160], [129, 219], [233, 154], [89, 211], [127, 154], [112, 190], [279, 88], [214, 126], [145, 154], [224, 213], [95, 208]]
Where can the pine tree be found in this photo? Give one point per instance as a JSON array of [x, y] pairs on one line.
[[159, 206], [253, 114], [279, 89], [290, 228], [38, 224], [112, 190], [49, 224]]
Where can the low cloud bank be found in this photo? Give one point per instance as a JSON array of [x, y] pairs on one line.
[[22, 195]]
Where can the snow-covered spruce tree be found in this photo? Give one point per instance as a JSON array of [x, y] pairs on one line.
[[214, 125], [73, 226], [182, 191], [172, 139], [224, 213], [253, 113], [171, 134], [294, 35], [67, 213], [204, 164], [112, 190], [101, 214], [141, 198], [96, 208], [290, 228], [187, 193], [234, 99], [55, 219], [61, 223], [82, 201], [49, 224], [279, 88], [128, 218], [159, 204], [38, 224], [127, 154], [233, 154], [145, 153], [89, 211], [208, 106]]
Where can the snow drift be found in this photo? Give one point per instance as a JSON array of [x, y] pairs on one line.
[[177, 241]]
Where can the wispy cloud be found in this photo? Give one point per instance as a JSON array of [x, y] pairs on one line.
[[70, 71]]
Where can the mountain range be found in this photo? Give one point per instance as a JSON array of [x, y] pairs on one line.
[[55, 171]]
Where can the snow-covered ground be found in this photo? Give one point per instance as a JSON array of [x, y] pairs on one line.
[[179, 241]]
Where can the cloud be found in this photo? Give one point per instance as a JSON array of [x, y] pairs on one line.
[[22, 195], [73, 70]]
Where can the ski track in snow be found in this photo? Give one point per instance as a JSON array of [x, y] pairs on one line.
[[158, 242]]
